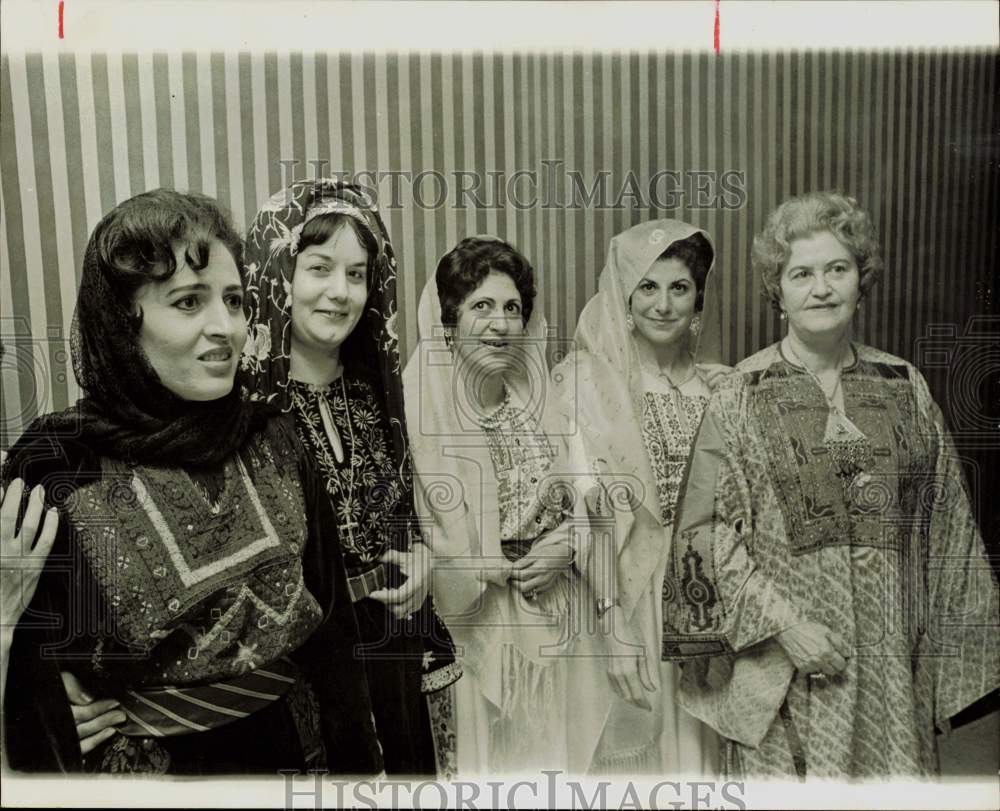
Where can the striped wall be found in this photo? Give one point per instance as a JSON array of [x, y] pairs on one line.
[[909, 134]]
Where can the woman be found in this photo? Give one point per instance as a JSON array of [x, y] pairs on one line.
[[322, 296], [828, 584], [637, 396], [188, 579], [490, 462]]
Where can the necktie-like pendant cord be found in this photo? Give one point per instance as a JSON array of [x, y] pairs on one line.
[[338, 451], [849, 448]]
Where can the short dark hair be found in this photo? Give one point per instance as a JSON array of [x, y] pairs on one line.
[[134, 242], [696, 253], [323, 226], [462, 270]]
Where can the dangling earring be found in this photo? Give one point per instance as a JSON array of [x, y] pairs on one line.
[[448, 341], [629, 321], [783, 315], [695, 325]]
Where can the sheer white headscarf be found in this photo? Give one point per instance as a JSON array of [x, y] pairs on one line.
[[600, 384]]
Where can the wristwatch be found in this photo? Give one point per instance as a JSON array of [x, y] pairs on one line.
[[604, 605]]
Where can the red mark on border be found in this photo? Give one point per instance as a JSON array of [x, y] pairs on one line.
[[61, 4], [716, 40]]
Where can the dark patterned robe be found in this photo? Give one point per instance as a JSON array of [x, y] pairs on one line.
[[777, 526], [160, 578], [378, 505]]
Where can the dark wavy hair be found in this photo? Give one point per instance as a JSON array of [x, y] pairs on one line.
[[323, 226], [696, 253], [462, 270], [135, 241], [807, 214]]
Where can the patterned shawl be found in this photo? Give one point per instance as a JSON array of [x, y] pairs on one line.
[[271, 249]]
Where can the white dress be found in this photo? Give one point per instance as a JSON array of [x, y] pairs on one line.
[[550, 693], [666, 741]]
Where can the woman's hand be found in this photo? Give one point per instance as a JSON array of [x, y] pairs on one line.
[[713, 373], [416, 565], [628, 665], [538, 570], [22, 554], [95, 720], [814, 648]]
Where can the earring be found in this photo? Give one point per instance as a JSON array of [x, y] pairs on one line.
[[448, 341], [695, 325], [629, 321], [783, 316]]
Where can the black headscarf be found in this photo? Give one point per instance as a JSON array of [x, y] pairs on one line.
[[127, 412]]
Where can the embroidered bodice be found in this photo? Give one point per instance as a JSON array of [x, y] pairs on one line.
[[366, 488], [670, 421], [521, 453]]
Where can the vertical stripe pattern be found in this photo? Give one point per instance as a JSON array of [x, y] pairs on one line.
[[556, 152]]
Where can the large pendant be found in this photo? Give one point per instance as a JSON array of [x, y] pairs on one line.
[[850, 451]]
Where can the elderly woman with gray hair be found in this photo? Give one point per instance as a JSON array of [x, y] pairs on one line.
[[828, 590]]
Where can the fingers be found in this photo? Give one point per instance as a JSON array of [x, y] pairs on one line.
[[92, 742], [10, 507], [631, 689], [44, 544], [536, 583], [616, 685], [32, 519], [92, 718], [839, 644], [836, 662], [645, 677], [101, 723], [401, 559], [74, 690]]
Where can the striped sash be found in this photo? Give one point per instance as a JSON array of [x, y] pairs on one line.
[[361, 585], [161, 711]]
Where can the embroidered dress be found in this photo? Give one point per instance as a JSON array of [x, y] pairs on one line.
[[370, 490], [184, 596], [669, 421], [521, 459], [636, 429], [365, 486], [493, 487], [877, 541]]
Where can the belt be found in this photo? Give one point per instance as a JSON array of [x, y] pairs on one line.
[[176, 710], [361, 585]]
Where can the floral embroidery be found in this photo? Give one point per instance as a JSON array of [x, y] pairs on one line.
[[377, 487], [530, 505]]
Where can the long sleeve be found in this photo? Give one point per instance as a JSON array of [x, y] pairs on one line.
[[722, 607], [958, 656], [717, 599], [40, 735]]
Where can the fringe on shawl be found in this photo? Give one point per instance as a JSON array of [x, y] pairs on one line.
[[639, 760], [532, 719]]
